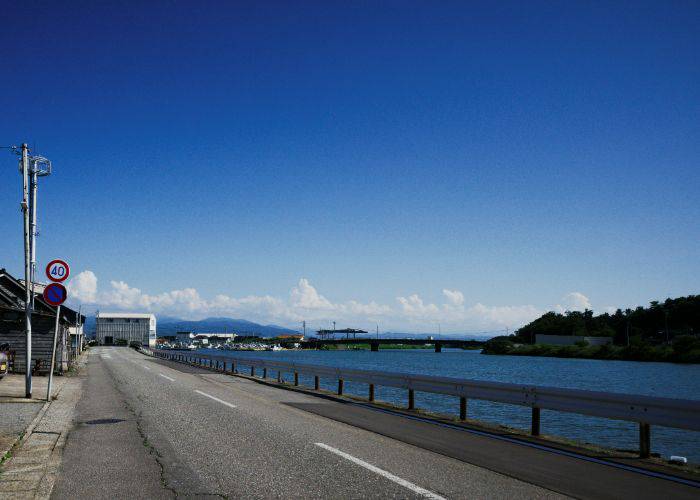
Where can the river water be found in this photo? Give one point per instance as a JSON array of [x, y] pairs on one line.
[[653, 379]]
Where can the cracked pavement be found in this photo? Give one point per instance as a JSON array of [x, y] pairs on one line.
[[145, 429], [149, 428]]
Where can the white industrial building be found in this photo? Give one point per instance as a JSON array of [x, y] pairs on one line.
[[113, 327]]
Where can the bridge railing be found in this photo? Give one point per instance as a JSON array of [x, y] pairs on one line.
[[645, 410]]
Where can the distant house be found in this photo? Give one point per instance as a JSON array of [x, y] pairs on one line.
[[571, 339], [13, 328]]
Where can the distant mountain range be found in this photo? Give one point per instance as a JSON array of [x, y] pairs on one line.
[[169, 326], [240, 326]]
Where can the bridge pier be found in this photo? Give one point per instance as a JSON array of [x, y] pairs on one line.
[[438, 347], [374, 346]]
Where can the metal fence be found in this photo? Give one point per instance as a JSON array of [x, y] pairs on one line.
[[645, 410]]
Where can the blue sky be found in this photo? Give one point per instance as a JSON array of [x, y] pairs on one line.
[[359, 162]]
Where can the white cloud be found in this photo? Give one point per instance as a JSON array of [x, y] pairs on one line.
[[83, 287], [305, 296], [574, 301], [304, 302], [455, 297]]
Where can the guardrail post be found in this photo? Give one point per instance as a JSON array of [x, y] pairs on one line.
[[279, 376], [535, 431], [411, 399], [371, 392], [462, 408], [317, 384], [644, 440], [264, 372], [340, 387], [296, 378], [252, 371], [233, 367]]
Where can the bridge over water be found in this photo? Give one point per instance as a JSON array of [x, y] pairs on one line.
[[374, 343]]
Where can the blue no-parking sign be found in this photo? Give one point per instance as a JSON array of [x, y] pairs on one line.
[[55, 294]]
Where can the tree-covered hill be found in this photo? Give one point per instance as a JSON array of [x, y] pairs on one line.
[[668, 331], [655, 324]]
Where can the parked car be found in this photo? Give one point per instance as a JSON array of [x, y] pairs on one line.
[[4, 361]]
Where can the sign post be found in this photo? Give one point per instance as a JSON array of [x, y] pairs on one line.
[[55, 294]]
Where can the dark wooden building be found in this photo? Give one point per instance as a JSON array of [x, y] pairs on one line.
[[12, 328]]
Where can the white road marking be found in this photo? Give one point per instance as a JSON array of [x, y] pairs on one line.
[[416, 489], [165, 376], [215, 399], [147, 368]]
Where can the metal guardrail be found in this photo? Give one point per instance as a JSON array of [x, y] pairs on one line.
[[646, 410]]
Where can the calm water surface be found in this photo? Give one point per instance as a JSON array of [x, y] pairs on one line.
[[653, 379]]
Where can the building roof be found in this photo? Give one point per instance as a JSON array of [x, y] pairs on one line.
[[12, 296], [125, 315]]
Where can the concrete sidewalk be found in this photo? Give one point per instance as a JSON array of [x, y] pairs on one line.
[[32, 433], [17, 412]]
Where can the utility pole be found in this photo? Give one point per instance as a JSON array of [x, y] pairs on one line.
[[32, 225], [27, 272], [38, 167]]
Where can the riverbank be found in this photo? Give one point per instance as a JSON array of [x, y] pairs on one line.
[[682, 351]]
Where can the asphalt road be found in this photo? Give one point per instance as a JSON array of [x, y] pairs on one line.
[[148, 428]]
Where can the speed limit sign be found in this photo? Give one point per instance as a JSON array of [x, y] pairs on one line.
[[57, 270]]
